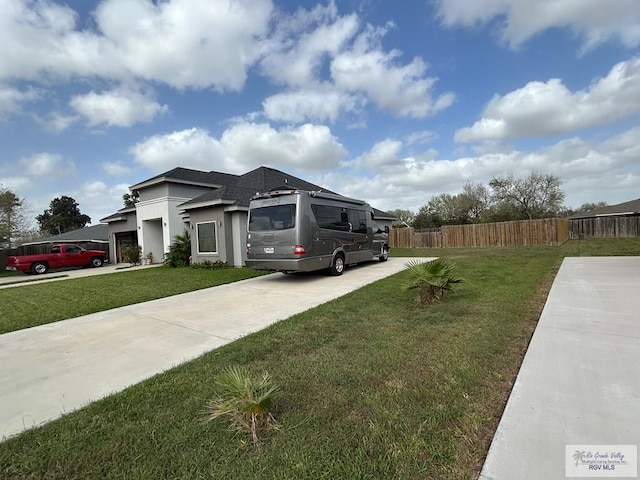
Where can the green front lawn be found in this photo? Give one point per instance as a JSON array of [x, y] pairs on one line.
[[29, 305], [373, 385]]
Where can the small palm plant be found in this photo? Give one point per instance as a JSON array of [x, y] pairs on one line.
[[179, 251], [432, 279], [246, 401]]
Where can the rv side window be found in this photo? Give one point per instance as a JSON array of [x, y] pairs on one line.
[[333, 218], [358, 220], [277, 217]]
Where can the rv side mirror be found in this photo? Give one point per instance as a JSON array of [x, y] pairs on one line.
[[386, 229]]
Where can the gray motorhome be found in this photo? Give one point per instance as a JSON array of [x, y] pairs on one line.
[[293, 230]]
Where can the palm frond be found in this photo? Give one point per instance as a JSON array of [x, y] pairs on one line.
[[246, 399], [432, 278]]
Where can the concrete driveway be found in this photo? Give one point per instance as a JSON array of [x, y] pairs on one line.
[[52, 369]]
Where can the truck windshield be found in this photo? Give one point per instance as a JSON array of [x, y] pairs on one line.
[[276, 217]]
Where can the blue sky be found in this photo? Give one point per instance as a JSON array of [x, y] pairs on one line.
[[388, 101]]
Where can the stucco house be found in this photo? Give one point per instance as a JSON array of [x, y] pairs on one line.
[[212, 206]]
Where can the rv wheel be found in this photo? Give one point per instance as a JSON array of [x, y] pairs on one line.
[[337, 267]]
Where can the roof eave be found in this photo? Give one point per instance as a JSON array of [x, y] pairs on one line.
[[158, 181], [206, 204]]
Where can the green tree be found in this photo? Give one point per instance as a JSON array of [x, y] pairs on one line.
[[443, 209], [537, 196], [14, 224], [404, 217], [130, 199], [63, 215]]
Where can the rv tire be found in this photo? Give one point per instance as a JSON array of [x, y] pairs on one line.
[[337, 266]]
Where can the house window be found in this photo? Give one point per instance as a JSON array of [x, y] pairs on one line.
[[207, 237]]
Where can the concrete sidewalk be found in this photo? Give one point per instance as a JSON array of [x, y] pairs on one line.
[[52, 369], [579, 383], [68, 273]]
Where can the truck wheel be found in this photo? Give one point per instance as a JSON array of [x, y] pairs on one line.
[[39, 268], [96, 262], [385, 254], [337, 267]]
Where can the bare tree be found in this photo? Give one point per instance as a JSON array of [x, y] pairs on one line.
[[537, 196], [14, 224], [475, 199]]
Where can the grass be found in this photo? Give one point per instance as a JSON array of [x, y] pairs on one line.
[[27, 306], [373, 386]]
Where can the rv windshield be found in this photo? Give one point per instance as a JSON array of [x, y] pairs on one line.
[[276, 217]]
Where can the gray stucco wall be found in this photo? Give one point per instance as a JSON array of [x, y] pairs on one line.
[[186, 191], [151, 193], [128, 225], [208, 215]]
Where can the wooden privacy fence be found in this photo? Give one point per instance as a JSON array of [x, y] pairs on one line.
[[604, 227], [546, 231]]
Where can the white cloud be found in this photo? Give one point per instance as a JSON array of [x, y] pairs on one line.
[[423, 136], [358, 67], [593, 21], [99, 200], [317, 105], [183, 43], [57, 122], [307, 147], [401, 89], [191, 148], [381, 154], [591, 171], [298, 62], [16, 184], [121, 107], [549, 108], [242, 147], [47, 165], [11, 99], [115, 168]]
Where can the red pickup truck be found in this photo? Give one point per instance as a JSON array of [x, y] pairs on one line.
[[60, 256]]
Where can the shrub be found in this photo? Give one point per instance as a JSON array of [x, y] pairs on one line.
[[179, 251], [246, 401], [432, 279], [132, 254], [208, 264]]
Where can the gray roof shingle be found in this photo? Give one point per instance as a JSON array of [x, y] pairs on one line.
[[631, 207], [192, 176], [97, 233], [259, 180]]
